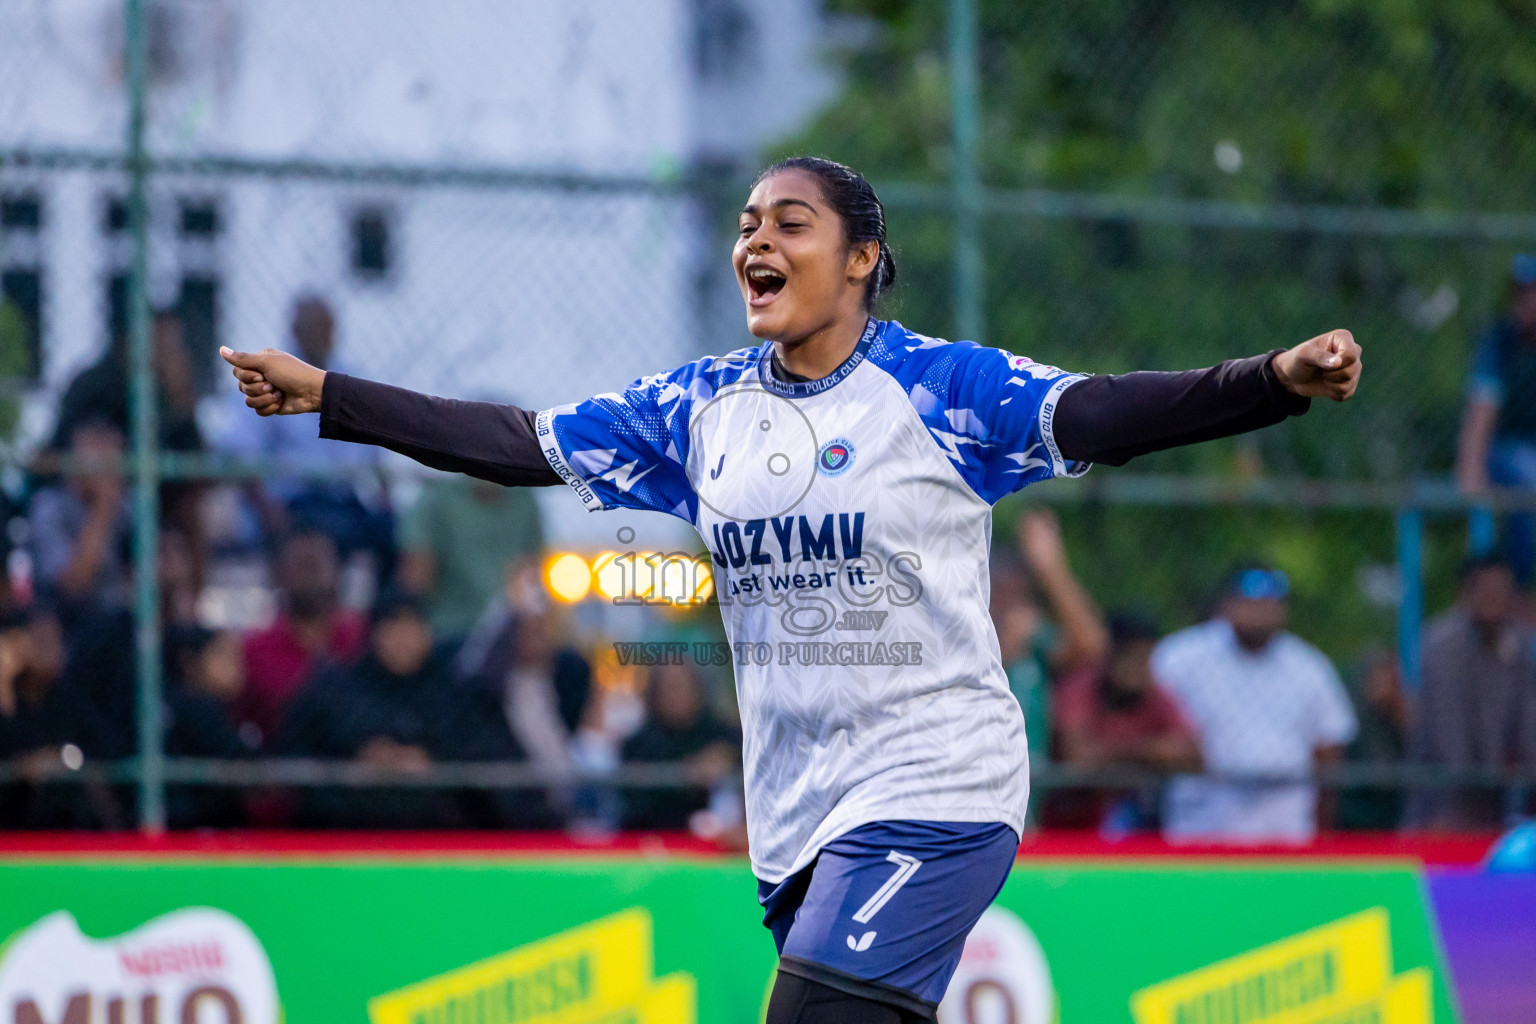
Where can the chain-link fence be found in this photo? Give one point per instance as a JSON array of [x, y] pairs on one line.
[[1112, 186]]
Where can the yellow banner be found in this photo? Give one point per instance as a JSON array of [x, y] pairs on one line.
[[1411, 999], [1406, 1001], [1340, 973], [673, 1000], [598, 972]]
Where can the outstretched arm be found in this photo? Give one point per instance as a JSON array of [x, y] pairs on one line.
[[1472, 443], [1084, 638], [483, 439], [1112, 419]]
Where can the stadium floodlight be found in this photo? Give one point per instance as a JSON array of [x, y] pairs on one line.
[[674, 580], [622, 578], [567, 577]]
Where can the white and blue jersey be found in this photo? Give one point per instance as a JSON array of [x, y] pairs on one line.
[[849, 522]]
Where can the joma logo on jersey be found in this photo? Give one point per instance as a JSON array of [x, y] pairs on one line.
[[862, 621], [835, 456]]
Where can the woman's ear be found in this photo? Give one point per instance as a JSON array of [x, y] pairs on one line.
[[863, 258]]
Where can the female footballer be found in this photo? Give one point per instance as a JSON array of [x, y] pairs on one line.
[[842, 475]]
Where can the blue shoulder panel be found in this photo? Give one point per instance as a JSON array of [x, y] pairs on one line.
[[629, 449], [989, 411]]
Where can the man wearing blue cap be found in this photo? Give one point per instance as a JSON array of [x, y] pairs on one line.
[[1497, 445], [1268, 708]]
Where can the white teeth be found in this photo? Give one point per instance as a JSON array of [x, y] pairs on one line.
[[764, 274]]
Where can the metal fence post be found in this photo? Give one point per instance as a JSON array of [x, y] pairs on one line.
[[965, 178], [1410, 609], [146, 468]]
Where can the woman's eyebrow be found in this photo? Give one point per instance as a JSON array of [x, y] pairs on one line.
[[752, 210]]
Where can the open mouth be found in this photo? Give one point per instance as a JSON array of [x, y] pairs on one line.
[[764, 283]]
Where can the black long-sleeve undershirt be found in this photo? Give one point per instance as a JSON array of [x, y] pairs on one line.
[[483, 439], [1114, 418], [1109, 419]]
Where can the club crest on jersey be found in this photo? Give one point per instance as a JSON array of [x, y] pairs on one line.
[[835, 456]]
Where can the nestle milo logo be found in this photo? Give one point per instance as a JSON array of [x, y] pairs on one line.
[[198, 964]]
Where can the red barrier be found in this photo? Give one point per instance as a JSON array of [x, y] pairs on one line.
[[1447, 850], [1432, 850]]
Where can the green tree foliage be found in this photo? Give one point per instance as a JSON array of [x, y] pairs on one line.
[[1395, 102], [1402, 104], [1389, 103]]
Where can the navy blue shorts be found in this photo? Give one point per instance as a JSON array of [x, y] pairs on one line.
[[883, 911]]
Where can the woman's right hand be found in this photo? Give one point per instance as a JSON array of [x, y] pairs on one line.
[[275, 383]]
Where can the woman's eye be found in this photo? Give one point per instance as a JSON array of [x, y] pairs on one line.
[[793, 225], [747, 229]]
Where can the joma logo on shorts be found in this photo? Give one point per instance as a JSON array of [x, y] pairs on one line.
[[863, 621]]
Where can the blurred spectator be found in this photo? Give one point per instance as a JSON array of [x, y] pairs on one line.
[[177, 572], [351, 507], [1264, 702], [1497, 443], [205, 676], [18, 583], [518, 655], [49, 725], [100, 394], [81, 524], [679, 726], [1381, 708], [1477, 702], [458, 544], [101, 390], [1033, 649], [311, 628], [383, 711], [1115, 715], [397, 710], [101, 643]]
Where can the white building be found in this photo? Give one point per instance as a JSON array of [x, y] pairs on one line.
[[534, 294]]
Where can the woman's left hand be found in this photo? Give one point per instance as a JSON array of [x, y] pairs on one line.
[[1327, 366]]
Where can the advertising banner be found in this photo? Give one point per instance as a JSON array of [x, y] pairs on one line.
[[1488, 931], [507, 940]]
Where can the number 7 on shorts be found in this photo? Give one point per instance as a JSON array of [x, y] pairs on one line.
[[906, 867]]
